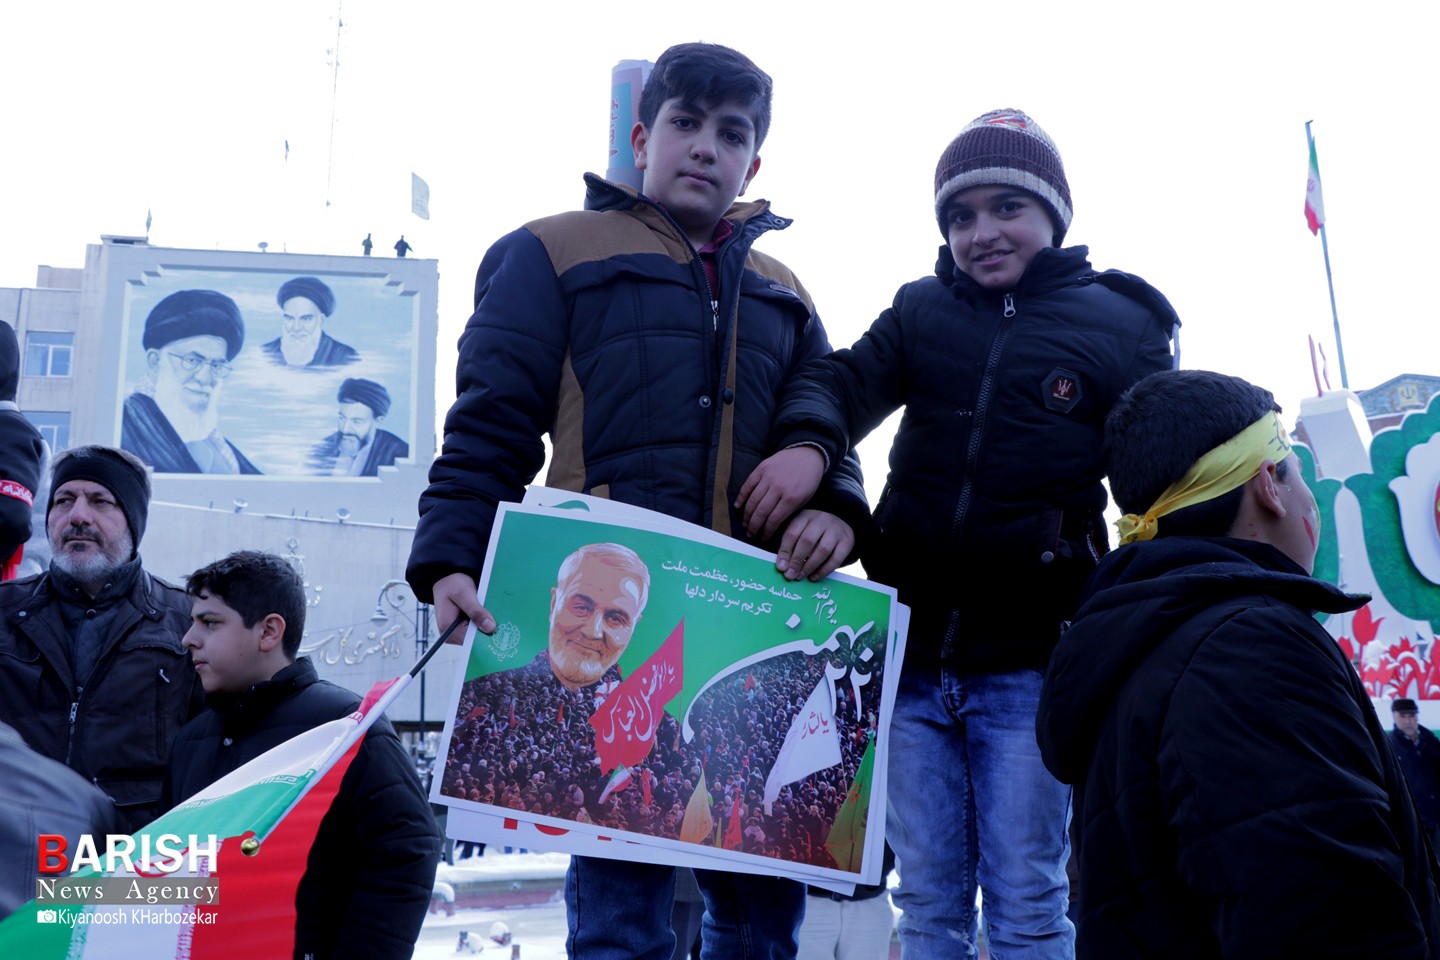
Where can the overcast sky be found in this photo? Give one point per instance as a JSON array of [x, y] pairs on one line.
[[1182, 131]]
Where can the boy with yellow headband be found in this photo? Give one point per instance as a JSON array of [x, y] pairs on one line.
[[1234, 791]]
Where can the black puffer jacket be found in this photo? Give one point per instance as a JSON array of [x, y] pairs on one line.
[[598, 328], [368, 878], [990, 520], [114, 727], [1235, 794]]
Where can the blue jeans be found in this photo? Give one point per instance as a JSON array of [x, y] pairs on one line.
[[618, 910], [970, 802]]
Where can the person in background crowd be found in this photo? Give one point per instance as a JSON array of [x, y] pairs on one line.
[[92, 673], [369, 876], [1419, 753], [22, 451]]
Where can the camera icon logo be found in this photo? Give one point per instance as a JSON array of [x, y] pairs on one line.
[[46, 916]]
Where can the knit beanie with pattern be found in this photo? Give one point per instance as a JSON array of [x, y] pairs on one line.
[[1005, 148]]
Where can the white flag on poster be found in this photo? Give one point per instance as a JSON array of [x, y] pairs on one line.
[[812, 744]]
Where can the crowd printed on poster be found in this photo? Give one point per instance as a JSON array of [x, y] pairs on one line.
[[651, 681], [1378, 499]]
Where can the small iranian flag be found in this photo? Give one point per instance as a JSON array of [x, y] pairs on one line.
[[1314, 203], [265, 816], [619, 780]]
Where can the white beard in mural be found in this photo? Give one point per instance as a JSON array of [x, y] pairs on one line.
[[190, 399]]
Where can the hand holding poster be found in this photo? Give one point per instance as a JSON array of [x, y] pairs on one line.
[[648, 677]]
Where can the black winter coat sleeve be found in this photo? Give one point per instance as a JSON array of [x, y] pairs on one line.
[[21, 453], [507, 379], [835, 401]]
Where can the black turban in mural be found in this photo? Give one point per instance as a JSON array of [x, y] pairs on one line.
[[195, 313], [368, 392], [312, 289]]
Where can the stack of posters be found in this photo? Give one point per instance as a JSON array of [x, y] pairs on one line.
[[658, 692]]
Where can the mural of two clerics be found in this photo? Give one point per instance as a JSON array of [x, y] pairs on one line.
[[248, 372]]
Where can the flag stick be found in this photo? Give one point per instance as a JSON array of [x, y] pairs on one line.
[[1330, 282], [393, 693], [251, 845]]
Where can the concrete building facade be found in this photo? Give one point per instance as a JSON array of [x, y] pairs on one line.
[[101, 342]]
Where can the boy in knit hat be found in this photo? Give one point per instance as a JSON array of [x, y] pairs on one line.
[[1006, 362]]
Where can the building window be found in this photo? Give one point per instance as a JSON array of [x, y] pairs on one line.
[[48, 354], [54, 427]]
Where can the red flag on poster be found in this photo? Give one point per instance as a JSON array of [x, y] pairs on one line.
[[733, 837], [625, 723]]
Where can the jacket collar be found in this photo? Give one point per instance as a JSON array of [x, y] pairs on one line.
[[1052, 267], [69, 590], [242, 712], [751, 218]]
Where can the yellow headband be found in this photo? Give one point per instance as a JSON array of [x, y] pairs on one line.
[[1232, 464]]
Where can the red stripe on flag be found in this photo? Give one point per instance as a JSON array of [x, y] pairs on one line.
[[376, 691], [256, 914]]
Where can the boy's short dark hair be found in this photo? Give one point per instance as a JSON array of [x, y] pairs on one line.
[[1162, 425], [255, 585], [708, 74]]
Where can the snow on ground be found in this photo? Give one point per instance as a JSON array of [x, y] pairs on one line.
[[539, 930]]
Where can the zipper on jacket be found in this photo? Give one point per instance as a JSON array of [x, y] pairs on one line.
[[70, 736], [972, 449], [695, 265]]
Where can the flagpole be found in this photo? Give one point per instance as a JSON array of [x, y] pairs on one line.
[[393, 693], [251, 845], [1329, 280]]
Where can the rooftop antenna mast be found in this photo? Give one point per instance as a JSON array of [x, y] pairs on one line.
[[334, 96]]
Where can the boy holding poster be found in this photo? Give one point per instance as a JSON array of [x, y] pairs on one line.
[[648, 339]]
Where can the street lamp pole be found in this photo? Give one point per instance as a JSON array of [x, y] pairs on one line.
[[422, 640]]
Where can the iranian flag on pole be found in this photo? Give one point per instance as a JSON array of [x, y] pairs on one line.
[[265, 816], [1314, 203]]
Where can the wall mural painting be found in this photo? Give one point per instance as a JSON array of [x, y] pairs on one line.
[[276, 374]]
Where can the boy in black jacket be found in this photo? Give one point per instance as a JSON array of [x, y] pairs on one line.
[[650, 340], [368, 878], [1212, 728], [1006, 362]]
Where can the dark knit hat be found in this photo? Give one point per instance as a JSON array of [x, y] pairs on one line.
[[195, 313], [368, 392], [114, 470], [312, 289], [1404, 705], [1005, 148]]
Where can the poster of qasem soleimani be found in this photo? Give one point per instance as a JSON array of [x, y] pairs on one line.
[[252, 372], [654, 682]]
